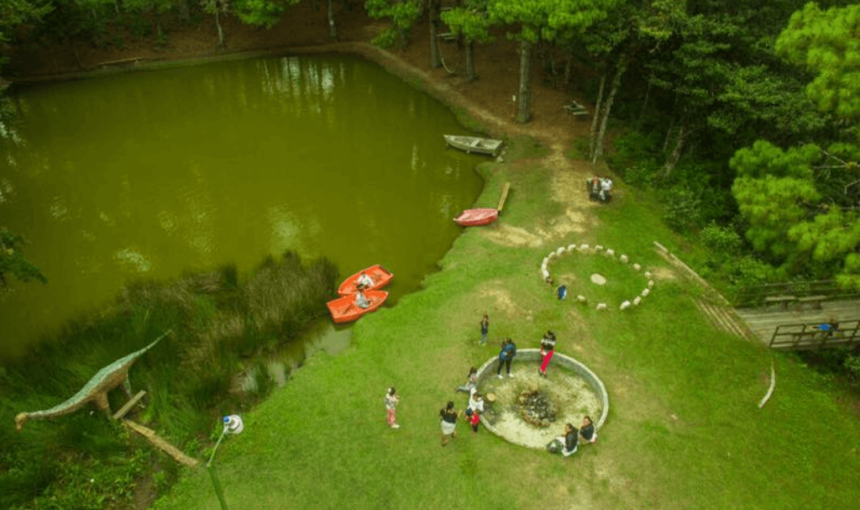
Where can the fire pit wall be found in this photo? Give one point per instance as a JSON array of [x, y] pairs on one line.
[[532, 356]]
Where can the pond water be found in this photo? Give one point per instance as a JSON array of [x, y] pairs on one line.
[[151, 174]]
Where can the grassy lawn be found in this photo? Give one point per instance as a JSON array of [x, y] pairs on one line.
[[684, 429]]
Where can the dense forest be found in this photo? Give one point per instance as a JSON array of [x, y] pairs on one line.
[[742, 117]]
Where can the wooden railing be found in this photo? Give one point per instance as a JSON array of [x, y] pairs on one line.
[[809, 336], [755, 296]]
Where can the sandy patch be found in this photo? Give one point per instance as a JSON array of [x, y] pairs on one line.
[[508, 235], [501, 299], [664, 273]]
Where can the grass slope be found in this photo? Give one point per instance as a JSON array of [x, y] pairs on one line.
[[683, 432]]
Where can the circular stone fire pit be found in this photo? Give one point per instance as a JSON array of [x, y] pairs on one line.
[[531, 410]]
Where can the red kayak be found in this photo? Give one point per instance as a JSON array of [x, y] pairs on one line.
[[475, 217], [380, 276], [344, 309]]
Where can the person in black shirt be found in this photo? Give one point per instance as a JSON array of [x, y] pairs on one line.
[[589, 435], [569, 440], [448, 417]]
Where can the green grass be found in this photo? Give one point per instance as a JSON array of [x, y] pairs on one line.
[[684, 430]]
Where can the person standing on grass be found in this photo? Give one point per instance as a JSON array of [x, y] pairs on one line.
[[509, 350], [587, 432], [547, 350], [391, 400], [448, 418], [471, 381], [474, 418], [476, 402], [485, 328], [569, 440]]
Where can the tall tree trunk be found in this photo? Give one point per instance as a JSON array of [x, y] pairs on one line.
[[184, 11], [616, 83], [676, 153], [596, 117], [567, 69], [644, 103], [434, 41], [470, 61], [671, 125], [220, 30], [332, 29], [524, 108]]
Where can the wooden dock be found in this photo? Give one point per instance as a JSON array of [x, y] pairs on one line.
[[793, 327]]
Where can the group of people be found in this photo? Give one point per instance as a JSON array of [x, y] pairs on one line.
[[571, 438], [364, 281], [599, 189], [449, 416]]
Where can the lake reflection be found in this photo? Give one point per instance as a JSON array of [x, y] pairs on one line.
[[150, 174]]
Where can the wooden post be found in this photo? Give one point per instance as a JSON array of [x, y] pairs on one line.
[[127, 407], [505, 190]]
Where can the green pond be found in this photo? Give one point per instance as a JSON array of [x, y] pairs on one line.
[[147, 175]]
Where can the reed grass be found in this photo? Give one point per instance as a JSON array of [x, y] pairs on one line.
[[219, 321]]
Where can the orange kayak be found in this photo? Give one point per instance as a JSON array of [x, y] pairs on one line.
[[344, 309], [475, 217], [380, 276]]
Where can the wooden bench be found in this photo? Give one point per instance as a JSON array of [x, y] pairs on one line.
[[574, 108], [780, 300], [815, 300]]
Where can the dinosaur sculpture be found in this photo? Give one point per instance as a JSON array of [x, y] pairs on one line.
[[95, 391]]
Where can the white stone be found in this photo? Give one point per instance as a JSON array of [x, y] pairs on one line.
[[571, 247], [645, 292], [623, 258], [551, 255], [650, 284], [636, 267], [545, 274], [545, 261], [560, 250], [637, 300], [598, 248], [598, 279], [625, 305], [543, 268], [581, 299], [610, 252], [601, 306], [583, 247], [647, 274]]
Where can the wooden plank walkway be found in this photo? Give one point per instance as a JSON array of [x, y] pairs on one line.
[[765, 320], [161, 443]]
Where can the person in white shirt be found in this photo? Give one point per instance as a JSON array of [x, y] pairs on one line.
[[361, 300], [605, 189], [364, 281]]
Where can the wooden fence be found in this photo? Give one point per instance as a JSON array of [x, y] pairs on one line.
[[756, 295], [795, 337]]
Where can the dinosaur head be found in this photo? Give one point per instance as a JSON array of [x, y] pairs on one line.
[[20, 420]]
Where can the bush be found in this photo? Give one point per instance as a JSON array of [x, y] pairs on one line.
[[385, 39]]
